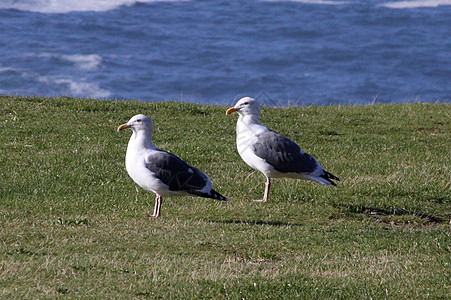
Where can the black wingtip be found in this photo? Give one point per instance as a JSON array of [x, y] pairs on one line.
[[329, 177], [218, 196], [212, 194]]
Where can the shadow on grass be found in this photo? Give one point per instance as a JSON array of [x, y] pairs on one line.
[[376, 212], [255, 222]]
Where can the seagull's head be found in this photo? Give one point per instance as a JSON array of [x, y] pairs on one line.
[[246, 106], [138, 123]]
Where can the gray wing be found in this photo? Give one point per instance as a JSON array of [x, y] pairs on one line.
[[283, 154], [175, 173]]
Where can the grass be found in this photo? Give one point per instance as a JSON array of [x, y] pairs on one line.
[[73, 224]]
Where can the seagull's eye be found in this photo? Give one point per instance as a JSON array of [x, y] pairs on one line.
[[139, 120], [245, 103]]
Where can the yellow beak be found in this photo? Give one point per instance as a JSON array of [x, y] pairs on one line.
[[231, 110], [123, 127]]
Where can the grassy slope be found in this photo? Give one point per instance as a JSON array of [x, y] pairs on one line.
[[72, 221]]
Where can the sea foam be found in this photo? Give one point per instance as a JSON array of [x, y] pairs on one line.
[[84, 62], [415, 4], [324, 2], [77, 88], [69, 86], [66, 6]]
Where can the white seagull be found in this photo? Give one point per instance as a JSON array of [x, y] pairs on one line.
[[159, 171], [270, 153]]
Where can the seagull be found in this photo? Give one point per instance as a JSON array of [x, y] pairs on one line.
[[159, 171], [270, 153]]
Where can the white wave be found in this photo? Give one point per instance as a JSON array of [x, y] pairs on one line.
[[83, 88], [415, 4], [73, 88], [59, 85], [7, 69], [84, 62], [327, 2], [66, 6]]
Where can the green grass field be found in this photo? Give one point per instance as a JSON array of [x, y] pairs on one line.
[[73, 224]]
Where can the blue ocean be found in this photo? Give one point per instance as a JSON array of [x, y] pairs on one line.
[[303, 52]]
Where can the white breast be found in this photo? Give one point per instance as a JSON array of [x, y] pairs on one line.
[[245, 138], [135, 163]]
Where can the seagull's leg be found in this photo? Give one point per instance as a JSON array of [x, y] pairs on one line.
[[156, 210], [266, 194]]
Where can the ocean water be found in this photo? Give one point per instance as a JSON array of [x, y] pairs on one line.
[[282, 52]]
